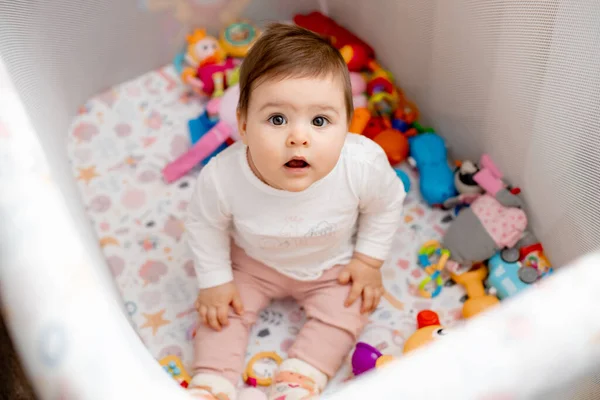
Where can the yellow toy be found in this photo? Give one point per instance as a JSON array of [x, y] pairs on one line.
[[429, 329], [173, 365], [237, 38], [250, 377], [478, 300]]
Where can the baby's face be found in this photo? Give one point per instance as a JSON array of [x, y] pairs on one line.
[[295, 130]]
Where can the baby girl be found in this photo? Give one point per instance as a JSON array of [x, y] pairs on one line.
[[299, 207]]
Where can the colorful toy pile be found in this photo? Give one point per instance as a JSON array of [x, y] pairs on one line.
[[488, 242], [210, 66]]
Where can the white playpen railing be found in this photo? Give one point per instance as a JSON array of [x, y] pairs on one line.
[[61, 306], [76, 342]]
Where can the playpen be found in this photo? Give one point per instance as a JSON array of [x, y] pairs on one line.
[[518, 79]]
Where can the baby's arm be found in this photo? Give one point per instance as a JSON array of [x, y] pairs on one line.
[[381, 195], [207, 227], [381, 198]]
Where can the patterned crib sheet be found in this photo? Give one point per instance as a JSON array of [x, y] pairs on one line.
[[118, 144]]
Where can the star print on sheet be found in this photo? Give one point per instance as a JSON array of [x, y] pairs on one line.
[[155, 321], [87, 174]]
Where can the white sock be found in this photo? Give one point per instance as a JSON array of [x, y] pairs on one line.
[[211, 386], [295, 380]]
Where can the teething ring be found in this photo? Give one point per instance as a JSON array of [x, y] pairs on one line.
[[249, 376], [432, 247], [437, 278]]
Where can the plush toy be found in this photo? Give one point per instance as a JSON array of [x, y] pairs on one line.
[[436, 179], [338, 35], [208, 65], [468, 189], [494, 221]]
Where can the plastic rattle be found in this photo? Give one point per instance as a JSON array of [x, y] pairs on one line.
[[173, 365], [434, 272], [478, 300], [367, 357], [428, 330], [250, 377]]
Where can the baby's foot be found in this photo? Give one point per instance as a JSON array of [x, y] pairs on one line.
[[297, 380], [211, 387]]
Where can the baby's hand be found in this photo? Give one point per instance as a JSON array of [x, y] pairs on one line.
[[366, 280], [213, 304]]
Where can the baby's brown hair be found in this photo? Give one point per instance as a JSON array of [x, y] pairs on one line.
[[289, 51]]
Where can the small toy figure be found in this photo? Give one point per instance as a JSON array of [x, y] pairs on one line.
[[428, 330], [209, 67], [468, 190]]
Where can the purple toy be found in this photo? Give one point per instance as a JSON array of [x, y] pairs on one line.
[[364, 358]]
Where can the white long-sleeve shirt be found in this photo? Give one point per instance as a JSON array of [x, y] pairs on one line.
[[356, 207]]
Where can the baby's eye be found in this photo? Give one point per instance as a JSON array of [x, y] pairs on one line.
[[277, 119], [320, 121]]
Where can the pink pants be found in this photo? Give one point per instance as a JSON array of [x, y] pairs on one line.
[[324, 341]]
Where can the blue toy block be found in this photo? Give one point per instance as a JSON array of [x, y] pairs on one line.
[[199, 126]]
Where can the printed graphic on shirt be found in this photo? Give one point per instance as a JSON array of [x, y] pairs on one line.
[[317, 234]]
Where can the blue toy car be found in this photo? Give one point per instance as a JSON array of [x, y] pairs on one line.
[[508, 278], [436, 179]]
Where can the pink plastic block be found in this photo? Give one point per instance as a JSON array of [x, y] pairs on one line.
[[201, 149], [487, 163], [488, 181]]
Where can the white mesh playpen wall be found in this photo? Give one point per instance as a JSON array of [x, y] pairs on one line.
[[519, 79]]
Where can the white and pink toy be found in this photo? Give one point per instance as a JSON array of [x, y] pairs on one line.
[[224, 129]]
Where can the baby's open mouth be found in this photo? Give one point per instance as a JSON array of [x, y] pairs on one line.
[[297, 163]]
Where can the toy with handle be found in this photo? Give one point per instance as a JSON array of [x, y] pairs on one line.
[[478, 300], [224, 129]]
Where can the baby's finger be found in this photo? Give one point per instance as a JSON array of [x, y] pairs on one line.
[[368, 297], [237, 304], [355, 292], [203, 311], [378, 294], [222, 315], [344, 277], [213, 322]]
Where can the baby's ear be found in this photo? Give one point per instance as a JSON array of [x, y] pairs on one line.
[[241, 120]]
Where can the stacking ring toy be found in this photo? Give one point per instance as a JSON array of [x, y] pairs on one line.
[[434, 272], [237, 38], [250, 377]]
